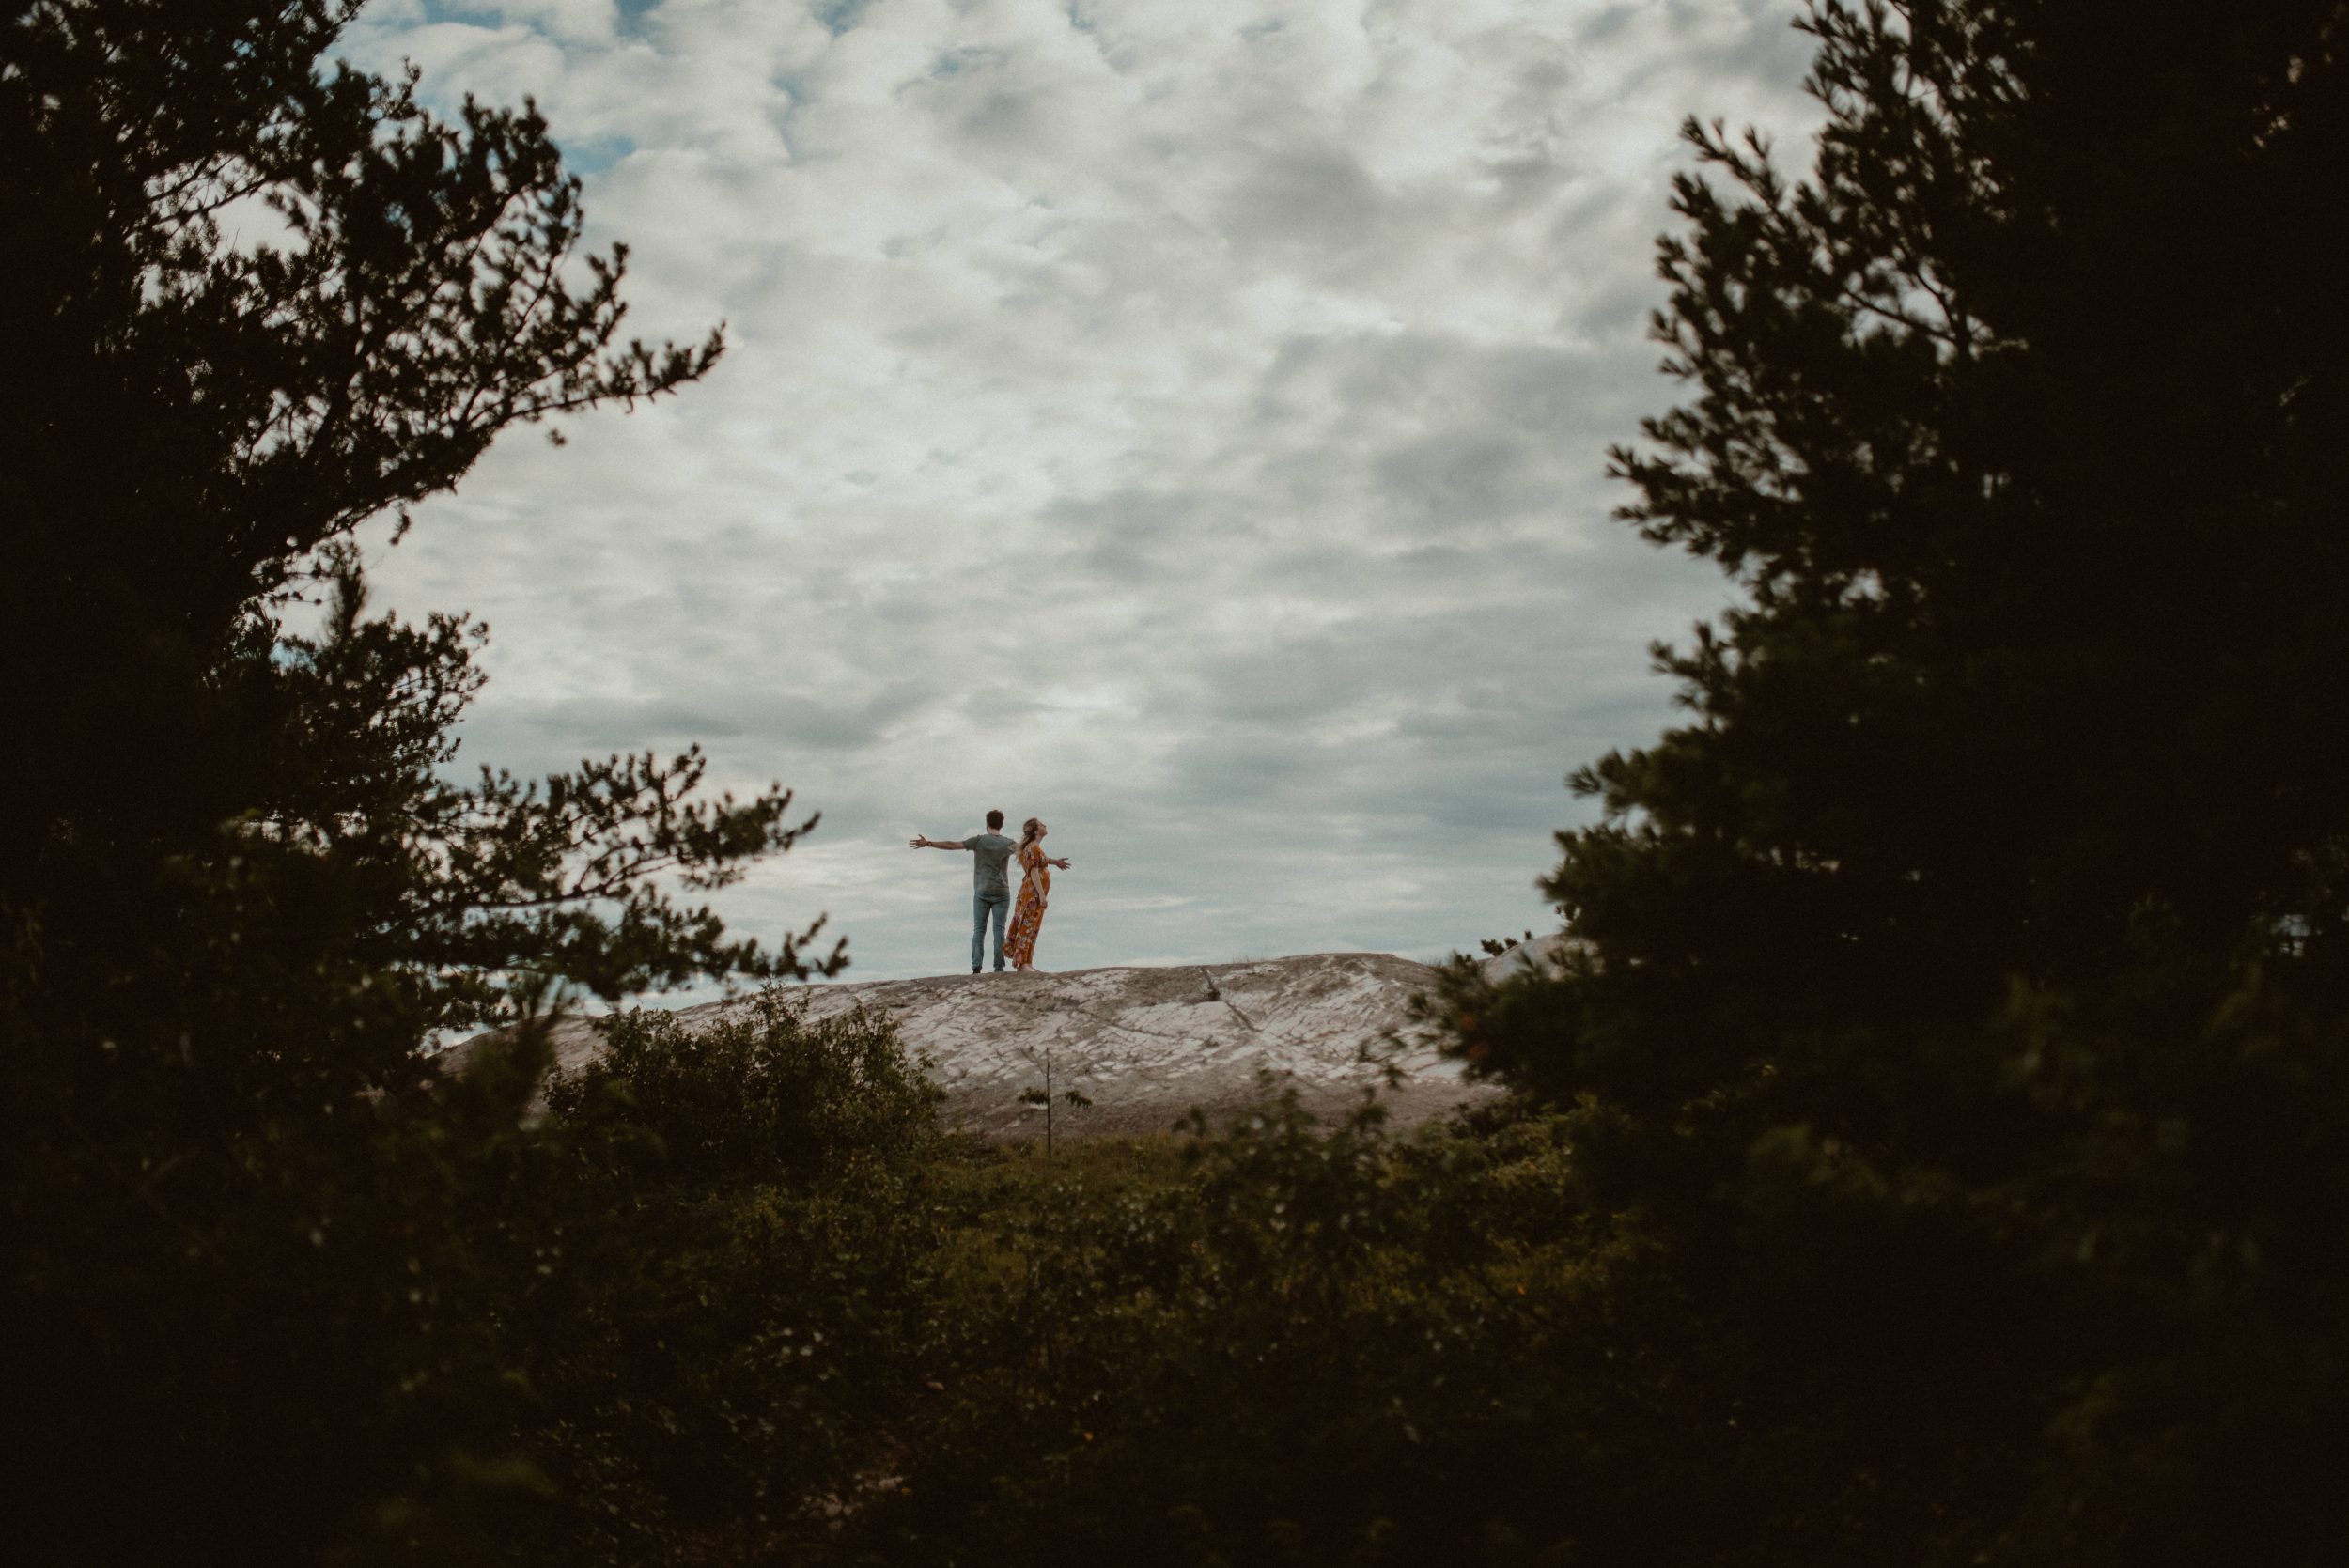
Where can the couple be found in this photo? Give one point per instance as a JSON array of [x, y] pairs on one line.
[[992, 893]]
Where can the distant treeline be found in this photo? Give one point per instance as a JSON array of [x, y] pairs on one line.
[[1930, 1151]]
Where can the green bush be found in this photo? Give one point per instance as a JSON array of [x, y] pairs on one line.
[[1299, 1345], [718, 1341], [253, 1255], [761, 1093], [1960, 993]]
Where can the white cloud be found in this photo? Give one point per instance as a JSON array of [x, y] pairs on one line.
[[1183, 420]]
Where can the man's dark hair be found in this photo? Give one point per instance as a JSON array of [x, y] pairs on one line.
[[994, 822]]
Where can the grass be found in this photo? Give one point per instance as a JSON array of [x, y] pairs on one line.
[[999, 1193], [1007, 1171]]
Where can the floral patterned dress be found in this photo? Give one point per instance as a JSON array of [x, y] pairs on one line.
[[1027, 915]]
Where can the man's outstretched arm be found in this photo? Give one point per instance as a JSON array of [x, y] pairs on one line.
[[927, 843]]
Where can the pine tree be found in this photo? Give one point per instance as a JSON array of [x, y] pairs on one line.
[[1959, 994], [252, 300]]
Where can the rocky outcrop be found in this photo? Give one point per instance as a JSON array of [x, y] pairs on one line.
[[1147, 1045], [1543, 954]]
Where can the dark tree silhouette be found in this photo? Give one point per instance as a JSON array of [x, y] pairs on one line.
[[252, 300], [1961, 991]]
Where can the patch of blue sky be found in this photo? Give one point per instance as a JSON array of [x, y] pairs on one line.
[[795, 91], [837, 16], [589, 156], [962, 62], [474, 12], [631, 18], [584, 156]]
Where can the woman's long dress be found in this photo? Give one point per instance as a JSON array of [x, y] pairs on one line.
[[1027, 915]]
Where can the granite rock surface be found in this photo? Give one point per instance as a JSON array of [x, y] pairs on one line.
[[1146, 1044]]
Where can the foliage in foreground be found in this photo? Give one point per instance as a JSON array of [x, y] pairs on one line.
[[742, 1255], [254, 299], [1278, 1343], [1962, 995], [790, 1321], [1494, 1340]]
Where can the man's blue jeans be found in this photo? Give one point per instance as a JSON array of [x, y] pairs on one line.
[[982, 901]]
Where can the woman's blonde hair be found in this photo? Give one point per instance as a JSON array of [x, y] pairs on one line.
[[1027, 829]]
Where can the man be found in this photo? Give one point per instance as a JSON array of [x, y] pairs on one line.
[[991, 889]]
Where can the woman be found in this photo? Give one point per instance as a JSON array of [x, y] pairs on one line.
[[1036, 886]]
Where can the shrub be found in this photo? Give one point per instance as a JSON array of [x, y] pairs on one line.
[[761, 1093], [719, 1341]]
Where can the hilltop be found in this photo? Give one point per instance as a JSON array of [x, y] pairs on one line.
[[1144, 1044]]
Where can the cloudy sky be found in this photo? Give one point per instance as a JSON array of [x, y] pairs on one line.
[[1183, 420]]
